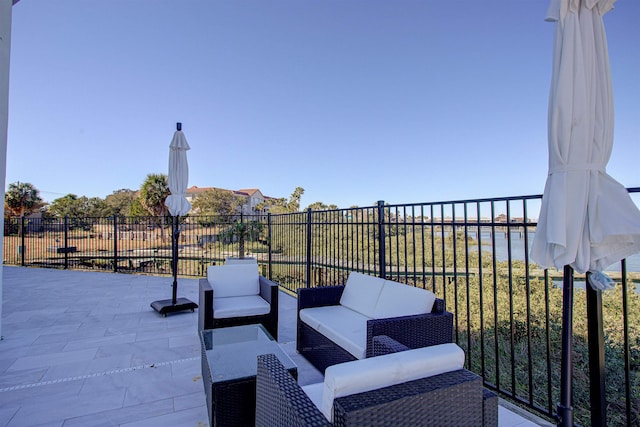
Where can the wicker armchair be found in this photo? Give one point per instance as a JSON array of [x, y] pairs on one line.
[[454, 398], [413, 331], [207, 318]]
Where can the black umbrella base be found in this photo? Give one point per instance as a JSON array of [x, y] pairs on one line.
[[167, 306]]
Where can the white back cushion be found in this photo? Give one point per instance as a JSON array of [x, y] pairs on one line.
[[234, 280], [373, 373], [397, 299], [361, 293]]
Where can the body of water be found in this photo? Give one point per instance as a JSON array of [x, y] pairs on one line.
[[518, 249]]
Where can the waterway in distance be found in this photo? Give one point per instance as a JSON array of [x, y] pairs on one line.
[[518, 249]]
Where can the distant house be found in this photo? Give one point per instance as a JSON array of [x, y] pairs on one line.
[[253, 197]]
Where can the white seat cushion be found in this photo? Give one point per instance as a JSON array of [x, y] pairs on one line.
[[248, 305], [361, 293], [234, 280], [397, 299], [373, 373], [343, 326]]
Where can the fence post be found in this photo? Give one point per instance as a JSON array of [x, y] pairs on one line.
[[308, 273], [269, 272], [23, 248], [565, 407], [239, 237], [66, 242], [382, 256], [115, 243], [597, 389]]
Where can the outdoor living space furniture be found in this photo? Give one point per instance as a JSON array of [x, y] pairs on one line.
[[338, 323], [236, 294], [415, 387], [229, 371]]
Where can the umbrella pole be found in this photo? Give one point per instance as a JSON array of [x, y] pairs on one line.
[[565, 407], [174, 304], [174, 249], [597, 384]]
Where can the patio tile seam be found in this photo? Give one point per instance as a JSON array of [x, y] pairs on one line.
[[97, 374]]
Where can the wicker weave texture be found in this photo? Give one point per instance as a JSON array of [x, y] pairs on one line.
[[233, 403], [451, 399], [383, 344], [207, 381], [417, 331], [319, 350], [489, 408], [280, 401]]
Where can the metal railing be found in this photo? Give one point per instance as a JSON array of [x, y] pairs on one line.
[[472, 253], [125, 245], [507, 311]]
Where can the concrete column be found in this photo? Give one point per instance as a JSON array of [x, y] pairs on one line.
[[5, 54]]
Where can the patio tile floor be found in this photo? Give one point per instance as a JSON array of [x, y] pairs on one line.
[[86, 349]]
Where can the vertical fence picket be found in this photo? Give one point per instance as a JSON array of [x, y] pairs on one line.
[[65, 245], [23, 247], [309, 248], [115, 243], [381, 241]]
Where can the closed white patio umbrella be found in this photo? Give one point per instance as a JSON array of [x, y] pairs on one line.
[[178, 174], [587, 219], [178, 205]]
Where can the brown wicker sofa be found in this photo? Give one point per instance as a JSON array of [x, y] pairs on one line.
[[452, 398], [260, 290], [415, 329]]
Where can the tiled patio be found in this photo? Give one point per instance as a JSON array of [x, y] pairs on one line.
[[85, 349]]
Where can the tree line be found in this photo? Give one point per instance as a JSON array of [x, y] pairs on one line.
[[23, 198]]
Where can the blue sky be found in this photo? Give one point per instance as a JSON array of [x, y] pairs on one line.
[[353, 100]]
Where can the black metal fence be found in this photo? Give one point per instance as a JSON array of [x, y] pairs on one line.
[[127, 245], [471, 253]]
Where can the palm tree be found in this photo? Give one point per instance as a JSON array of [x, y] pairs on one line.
[[22, 198], [244, 230], [153, 193]]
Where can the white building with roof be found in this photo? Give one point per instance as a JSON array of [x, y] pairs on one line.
[[253, 197]]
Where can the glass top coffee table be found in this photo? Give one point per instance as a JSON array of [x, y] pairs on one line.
[[229, 366]]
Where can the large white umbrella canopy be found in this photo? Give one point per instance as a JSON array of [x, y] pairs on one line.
[[178, 175], [587, 219]]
